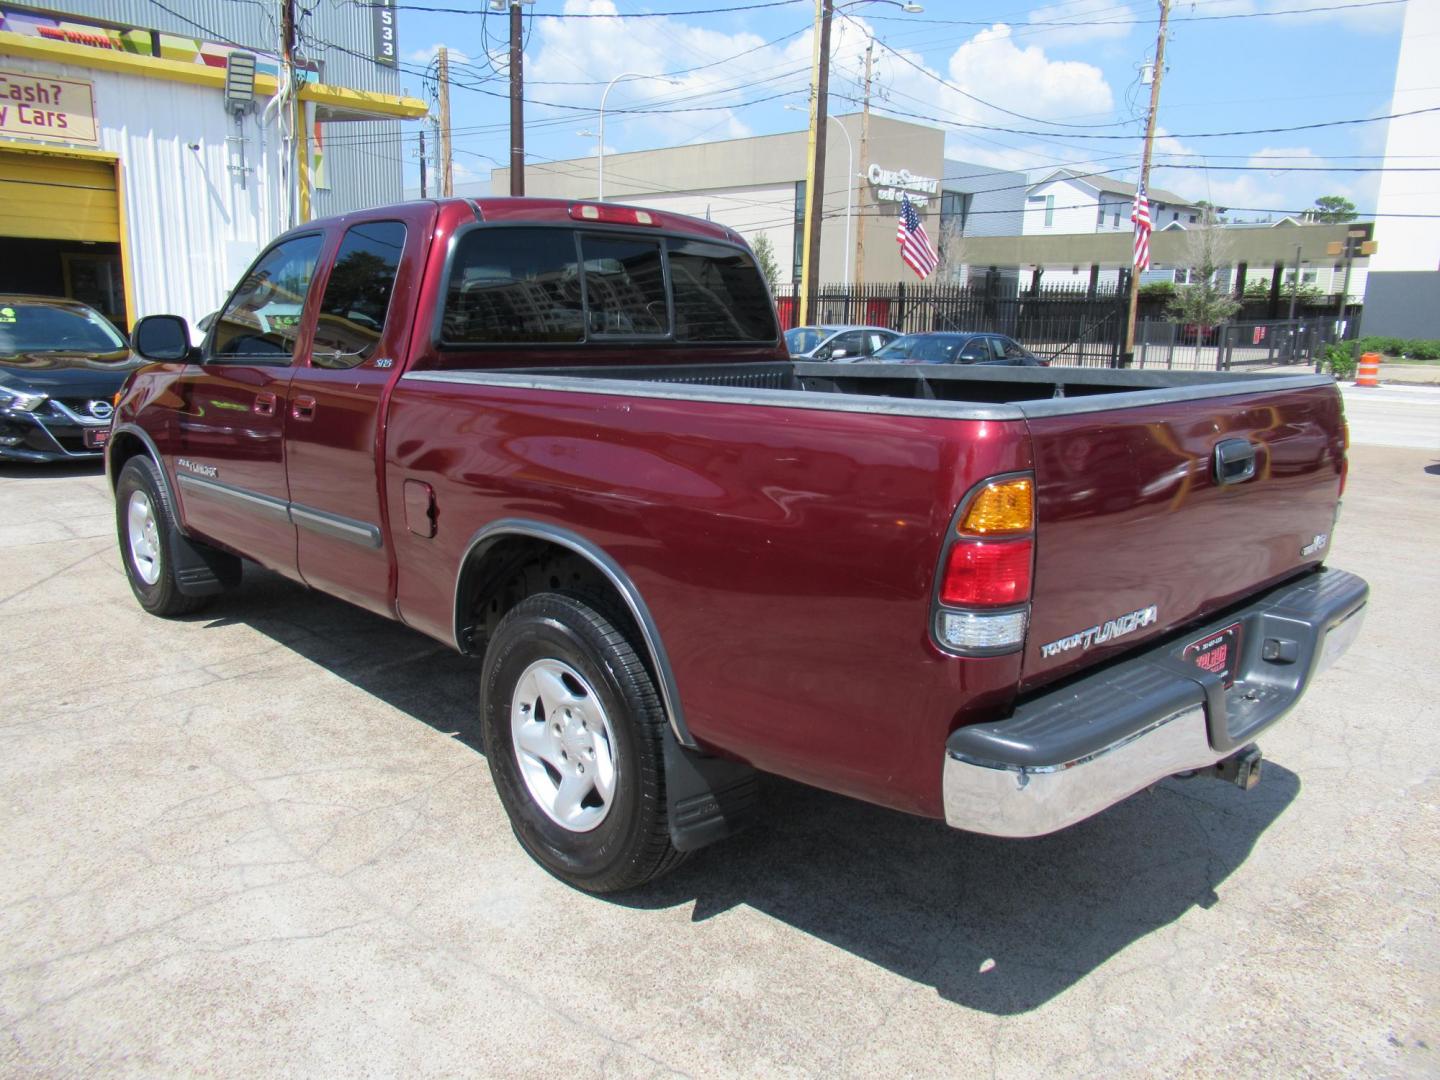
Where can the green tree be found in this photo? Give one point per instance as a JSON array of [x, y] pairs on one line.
[[1331, 210], [765, 257], [1201, 302]]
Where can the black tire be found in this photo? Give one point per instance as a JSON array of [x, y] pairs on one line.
[[141, 478], [631, 844]]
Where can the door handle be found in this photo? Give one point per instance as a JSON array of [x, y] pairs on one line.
[[264, 404], [303, 407], [1234, 461]]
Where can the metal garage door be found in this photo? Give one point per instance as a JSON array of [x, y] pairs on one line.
[[47, 197]]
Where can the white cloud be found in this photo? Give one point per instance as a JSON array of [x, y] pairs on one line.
[[1095, 20], [424, 56], [573, 59]]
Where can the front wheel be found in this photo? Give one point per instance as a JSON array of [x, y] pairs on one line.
[[145, 522], [573, 732]]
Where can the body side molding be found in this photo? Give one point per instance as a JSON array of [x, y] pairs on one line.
[[496, 530], [320, 521]]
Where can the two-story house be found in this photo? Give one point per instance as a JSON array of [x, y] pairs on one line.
[[1067, 201]]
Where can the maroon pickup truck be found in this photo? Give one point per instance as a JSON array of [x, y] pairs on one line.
[[566, 438]]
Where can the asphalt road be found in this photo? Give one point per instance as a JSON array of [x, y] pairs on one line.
[[1394, 415], [246, 844]]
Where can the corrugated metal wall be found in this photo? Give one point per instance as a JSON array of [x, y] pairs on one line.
[[364, 161], [193, 225]]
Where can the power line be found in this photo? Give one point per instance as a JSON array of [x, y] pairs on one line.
[[1064, 23], [616, 15]]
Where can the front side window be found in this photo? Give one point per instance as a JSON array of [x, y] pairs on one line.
[[720, 294], [625, 287], [262, 319], [357, 295], [517, 286]]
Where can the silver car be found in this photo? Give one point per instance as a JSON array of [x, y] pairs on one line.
[[843, 343]]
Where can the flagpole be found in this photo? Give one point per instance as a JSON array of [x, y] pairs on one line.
[[1128, 356]]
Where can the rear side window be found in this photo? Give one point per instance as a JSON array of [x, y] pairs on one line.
[[625, 286], [719, 294], [518, 286], [262, 319], [357, 296]]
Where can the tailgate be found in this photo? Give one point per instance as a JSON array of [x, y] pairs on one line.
[[1135, 534]]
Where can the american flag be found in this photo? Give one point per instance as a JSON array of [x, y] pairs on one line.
[[914, 242], [1141, 217]]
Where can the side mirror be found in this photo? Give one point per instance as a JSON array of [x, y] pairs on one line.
[[839, 354], [161, 338], [822, 353]]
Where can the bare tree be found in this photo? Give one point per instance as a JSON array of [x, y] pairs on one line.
[[951, 269]]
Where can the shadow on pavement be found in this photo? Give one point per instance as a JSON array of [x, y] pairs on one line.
[[59, 470], [403, 668], [997, 925], [1433, 470]]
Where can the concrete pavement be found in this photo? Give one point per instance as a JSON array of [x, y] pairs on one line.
[[247, 843]]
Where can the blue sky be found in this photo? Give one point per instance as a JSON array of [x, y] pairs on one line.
[[1065, 68]]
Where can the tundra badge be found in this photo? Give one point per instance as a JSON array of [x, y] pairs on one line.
[[1316, 544], [1098, 635]]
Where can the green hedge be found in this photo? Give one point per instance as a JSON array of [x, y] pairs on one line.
[[1413, 349]]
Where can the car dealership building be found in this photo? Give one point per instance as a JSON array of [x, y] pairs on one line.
[[146, 155]]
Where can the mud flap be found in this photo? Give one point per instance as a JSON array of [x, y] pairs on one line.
[[708, 798], [201, 570]]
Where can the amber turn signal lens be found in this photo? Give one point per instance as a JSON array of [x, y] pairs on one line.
[[1002, 508]]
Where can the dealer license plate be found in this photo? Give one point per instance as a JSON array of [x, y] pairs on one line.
[[95, 438], [1217, 653]]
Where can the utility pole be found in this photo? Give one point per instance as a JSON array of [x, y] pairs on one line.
[[517, 102], [424, 191], [864, 165], [1128, 355], [297, 193], [447, 173], [815, 163]]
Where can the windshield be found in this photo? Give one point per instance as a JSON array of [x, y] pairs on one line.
[[28, 327], [804, 339], [923, 348]]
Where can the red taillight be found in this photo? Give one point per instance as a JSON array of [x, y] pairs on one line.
[[987, 574]]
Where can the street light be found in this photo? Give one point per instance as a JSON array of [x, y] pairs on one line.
[[849, 184], [623, 75], [815, 157]]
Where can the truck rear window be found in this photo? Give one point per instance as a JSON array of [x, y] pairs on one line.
[[546, 285]]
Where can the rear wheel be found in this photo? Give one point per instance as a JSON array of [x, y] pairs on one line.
[[146, 526], [573, 732]]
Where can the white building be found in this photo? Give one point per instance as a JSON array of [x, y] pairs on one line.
[[143, 168], [1067, 201], [1403, 294]]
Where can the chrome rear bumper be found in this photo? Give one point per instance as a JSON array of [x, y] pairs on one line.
[[1069, 754]]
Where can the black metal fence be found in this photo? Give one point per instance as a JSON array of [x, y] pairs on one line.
[[1078, 327], [1236, 345], [1067, 326]]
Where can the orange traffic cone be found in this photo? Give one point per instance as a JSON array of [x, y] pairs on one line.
[[1368, 373]]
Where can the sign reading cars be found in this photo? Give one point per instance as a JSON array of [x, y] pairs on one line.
[[42, 107]]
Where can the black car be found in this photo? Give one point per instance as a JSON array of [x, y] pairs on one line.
[[61, 364], [947, 348]]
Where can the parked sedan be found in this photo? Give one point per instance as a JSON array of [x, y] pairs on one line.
[[946, 348], [848, 343], [61, 364]]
